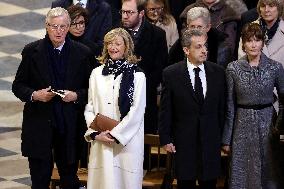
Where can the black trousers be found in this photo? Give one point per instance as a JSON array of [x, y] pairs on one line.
[[191, 184], [41, 168]]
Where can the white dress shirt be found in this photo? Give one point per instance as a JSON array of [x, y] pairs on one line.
[[202, 76], [84, 2], [60, 47]]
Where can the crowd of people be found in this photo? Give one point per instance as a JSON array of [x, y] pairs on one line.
[[206, 76]]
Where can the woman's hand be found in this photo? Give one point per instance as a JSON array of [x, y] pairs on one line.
[[226, 149], [105, 137]]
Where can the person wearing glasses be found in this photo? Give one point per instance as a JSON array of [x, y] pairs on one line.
[[79, 21], [157, 12], [52, 123], [198, 18], [100, 18]]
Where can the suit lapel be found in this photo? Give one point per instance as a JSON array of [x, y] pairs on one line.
[[209, 80], [184, 76], [73, 64], [42, 63]]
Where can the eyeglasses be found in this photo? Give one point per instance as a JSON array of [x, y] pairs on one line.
[[193, 27], [78, 24], [155, 10], [127, 12], [56, 27]]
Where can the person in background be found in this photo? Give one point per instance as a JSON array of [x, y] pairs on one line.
[[198, 18], [52, 80], [157, 12], [192, 114], [176, 8], [115, 7], [248, 132], [223, 18], [270, 19], [79, 22], [100, 18], [117, 89]]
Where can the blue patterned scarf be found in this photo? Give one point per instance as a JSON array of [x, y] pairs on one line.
[[125, 99]]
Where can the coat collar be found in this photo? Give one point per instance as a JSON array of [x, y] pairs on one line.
[[244, 64], [41, 58], [42, 61]]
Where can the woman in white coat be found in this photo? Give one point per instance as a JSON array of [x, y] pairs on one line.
[[117, 89]]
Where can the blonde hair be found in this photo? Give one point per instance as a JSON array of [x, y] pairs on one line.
[[56, 12], [129, 46]]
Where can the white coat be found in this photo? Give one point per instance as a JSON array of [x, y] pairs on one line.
[[119, 166]]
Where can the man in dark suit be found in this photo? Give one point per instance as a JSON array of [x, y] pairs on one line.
[[192, 114], [52, 80], [100, 18], [151, 45]]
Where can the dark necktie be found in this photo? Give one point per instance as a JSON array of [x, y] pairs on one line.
[[198, 86]]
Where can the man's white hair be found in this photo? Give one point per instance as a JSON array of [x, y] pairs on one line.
[[56, 12], [198, 12]]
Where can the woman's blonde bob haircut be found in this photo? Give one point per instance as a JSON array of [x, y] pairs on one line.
[[129, 46]]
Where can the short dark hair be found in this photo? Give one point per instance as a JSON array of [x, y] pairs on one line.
[[140, 4], [252, 30], [187, 35], [76, 10]]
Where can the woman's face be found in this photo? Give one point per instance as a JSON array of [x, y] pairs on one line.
[[253, 46], [77, 27], [154, 10], [116, 48], [268, 12]]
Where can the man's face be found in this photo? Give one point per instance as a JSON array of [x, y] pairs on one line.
[[57, 29], [197, 51], [130, 16]]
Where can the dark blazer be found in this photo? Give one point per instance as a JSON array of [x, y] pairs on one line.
[[100, 19], [34, 73], [152, 48], [181, 118], [249, 16], [115, 7], [177, 8]]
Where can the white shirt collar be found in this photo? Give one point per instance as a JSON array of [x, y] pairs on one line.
[[60, 47], [191, 66], [84, 2]]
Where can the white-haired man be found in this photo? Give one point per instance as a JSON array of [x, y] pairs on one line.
[[51, 123]]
